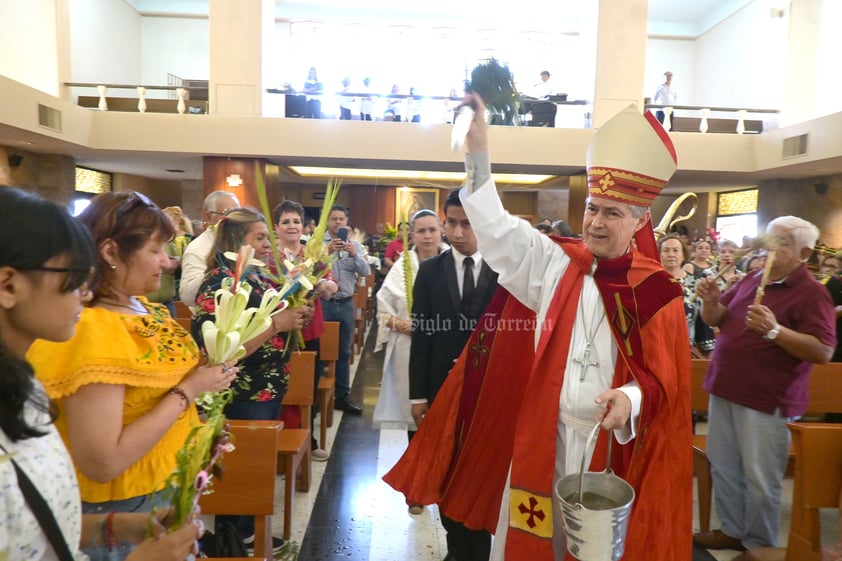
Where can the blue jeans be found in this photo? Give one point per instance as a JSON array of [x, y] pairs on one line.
[[249, 411], [144, 503], [748, 452], [344, 314]]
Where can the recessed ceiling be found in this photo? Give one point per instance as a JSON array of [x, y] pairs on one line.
[[674, 17], [677, 13]]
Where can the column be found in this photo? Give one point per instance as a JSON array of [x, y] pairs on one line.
[[621, 33], [803, 56], [216, 172], [241, 36], [576, 203]]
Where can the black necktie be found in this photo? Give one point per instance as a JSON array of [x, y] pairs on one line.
[[467, 283]]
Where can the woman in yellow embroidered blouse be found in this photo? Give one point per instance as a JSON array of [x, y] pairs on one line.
[[126, 381]]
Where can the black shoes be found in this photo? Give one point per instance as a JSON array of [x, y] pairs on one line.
[[348, 406], [277, 545]]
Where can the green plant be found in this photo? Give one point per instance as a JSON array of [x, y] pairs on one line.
[[495, 84]]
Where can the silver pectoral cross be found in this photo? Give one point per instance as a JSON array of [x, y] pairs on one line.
[[585, 362]]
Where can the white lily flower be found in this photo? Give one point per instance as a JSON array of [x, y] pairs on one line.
[[305, 282], [252, 262], [209, 334]]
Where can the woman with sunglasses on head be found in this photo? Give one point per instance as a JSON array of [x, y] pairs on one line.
[[264, 372], [126, 381], [46, 260]]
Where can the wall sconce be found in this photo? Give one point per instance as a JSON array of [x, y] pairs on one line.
[[776, 12], [234, 180]]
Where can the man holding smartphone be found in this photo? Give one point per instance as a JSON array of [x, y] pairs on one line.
[[349, 263]]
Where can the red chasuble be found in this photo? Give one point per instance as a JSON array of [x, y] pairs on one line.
[[499, 408]]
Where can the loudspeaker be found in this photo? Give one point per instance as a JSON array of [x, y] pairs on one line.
[[15, 160], [821, 188]]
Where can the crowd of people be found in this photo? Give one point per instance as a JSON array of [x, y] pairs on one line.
[[359, 100], [95, 364], [99, 380]]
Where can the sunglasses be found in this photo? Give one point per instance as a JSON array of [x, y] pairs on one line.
[[133, 201], [77, 277]]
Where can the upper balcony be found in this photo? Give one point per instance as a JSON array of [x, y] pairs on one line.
[[149, 143]]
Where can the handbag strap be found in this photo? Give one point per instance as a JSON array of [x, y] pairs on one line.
[[42, 512]]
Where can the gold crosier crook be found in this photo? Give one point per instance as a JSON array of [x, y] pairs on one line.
[[667, 221]]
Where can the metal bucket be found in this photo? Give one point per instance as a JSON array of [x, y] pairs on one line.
[[596, 526]]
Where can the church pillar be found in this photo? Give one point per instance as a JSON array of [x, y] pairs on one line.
[[803, 56], [576, 203], [239, 177], [241, 41], [621, 33]]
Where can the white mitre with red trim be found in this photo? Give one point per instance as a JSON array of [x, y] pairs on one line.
[[630, 159]]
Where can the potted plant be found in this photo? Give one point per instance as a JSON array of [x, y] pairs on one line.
[[495, 84]]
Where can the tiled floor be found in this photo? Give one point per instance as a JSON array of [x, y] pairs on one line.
[[350, 514]]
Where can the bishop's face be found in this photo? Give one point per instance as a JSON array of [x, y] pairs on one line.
[[608, 227]]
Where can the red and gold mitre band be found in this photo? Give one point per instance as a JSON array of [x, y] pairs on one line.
[[624, 186]]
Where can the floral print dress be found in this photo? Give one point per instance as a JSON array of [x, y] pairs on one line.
[[264, 374]]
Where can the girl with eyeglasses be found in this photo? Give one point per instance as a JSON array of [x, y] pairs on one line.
[[46, 259]]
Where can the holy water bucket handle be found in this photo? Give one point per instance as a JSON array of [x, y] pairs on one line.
[[591, 436]]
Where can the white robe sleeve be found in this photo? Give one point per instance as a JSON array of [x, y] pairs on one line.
[[519, 253], [391, 301], [628, 432]]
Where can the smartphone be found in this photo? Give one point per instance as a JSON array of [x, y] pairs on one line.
[[342, 234]]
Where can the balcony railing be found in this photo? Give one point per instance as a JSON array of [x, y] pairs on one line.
[[571, 114], [181, 102], [697, 118]]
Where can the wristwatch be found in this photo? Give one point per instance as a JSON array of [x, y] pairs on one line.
[[772, 333]]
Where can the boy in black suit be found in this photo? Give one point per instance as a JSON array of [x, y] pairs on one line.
[[450, 294]]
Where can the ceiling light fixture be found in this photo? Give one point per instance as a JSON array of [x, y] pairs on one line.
[[397, 174]]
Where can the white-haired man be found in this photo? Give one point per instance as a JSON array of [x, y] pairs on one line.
[[758, 379], [194, 262]]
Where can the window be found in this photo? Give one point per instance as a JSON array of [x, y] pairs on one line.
[[736, 215]]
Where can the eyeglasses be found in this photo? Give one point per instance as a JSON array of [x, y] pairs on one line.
[[77, 277], [133, 201]]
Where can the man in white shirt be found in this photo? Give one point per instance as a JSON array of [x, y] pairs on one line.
[[195, 258], [543, 88], [664, 95]]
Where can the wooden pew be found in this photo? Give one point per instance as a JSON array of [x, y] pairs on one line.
[[360, 305], [183, 315], [248, 487], [329, 354], [818, 476], [181, 310], [370, 298], [701, 465], [293, 447], [824, 395]]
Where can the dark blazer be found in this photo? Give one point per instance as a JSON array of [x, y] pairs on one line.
[[440, 330]]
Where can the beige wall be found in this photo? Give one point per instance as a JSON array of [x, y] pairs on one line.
[[803, 199], [52, 176]]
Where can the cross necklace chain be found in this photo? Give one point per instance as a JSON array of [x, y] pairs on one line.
[[584, 361]]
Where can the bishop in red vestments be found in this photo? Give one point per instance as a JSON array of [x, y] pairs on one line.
[[589, 331]]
